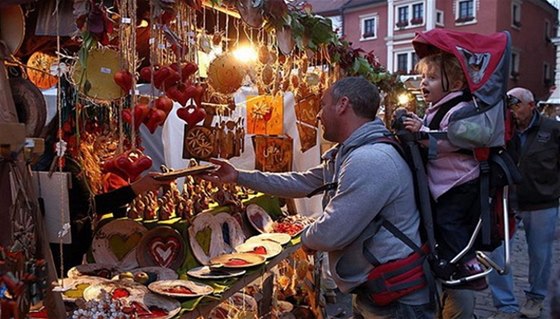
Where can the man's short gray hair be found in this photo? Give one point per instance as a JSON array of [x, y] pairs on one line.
[[362, 94]]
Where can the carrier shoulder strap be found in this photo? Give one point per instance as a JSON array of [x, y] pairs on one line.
[[445, 107], [416, 166], [389, 139]]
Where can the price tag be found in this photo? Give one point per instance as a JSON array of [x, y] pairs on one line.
[[126, 20], [105, 70], [151, 40]]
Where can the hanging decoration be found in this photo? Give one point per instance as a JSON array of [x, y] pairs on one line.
[[306, 121], [273, 153], [226, 74], [199, 142], [39, 67], [95, 79], [265, 114]]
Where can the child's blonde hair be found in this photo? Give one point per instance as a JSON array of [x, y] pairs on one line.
[[451, 69]]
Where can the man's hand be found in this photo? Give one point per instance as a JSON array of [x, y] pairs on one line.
[[226, 173]]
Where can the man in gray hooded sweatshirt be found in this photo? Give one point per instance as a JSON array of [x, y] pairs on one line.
[[361, 179]]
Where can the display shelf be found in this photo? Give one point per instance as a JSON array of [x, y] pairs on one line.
[[202, 310]]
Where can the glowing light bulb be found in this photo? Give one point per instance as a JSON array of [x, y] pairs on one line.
[[403, 99], [245, 54]]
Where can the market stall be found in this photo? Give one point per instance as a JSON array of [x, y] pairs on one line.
[[180, 81]]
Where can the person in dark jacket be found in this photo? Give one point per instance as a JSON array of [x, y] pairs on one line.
[[85, 206], [536, 149]]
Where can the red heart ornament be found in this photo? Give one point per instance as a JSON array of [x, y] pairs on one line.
[[138, 166], [110, 166], [164, 103], [146, 74], [178, 93], [123, 78], [160, 76], [190, 91], [171, 79], [141, 112], [126, 116], [189, 69], [191, 114], [155, 118], [123, 163], [198, 94]]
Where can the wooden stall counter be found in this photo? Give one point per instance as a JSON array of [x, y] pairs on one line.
[[205, 306]]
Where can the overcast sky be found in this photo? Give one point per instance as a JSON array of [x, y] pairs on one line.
[[555, 3]]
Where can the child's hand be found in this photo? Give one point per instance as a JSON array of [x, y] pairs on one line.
[[412, 122]]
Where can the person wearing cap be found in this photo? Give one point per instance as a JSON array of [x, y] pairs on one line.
[[536, 148]]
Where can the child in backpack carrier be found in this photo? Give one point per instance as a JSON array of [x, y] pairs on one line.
[[453, 174]]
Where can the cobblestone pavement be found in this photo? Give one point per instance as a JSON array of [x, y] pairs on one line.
[[484, 307]]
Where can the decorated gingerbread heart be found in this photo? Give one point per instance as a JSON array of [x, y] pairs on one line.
[[164, 251]]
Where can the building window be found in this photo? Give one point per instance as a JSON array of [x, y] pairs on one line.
[[417, 14], [405, 62], [516, 15], [514, 67], [547, 31], [413, 11], [402, 63], [369, 27], [439, 18], [546, 75], [465, 11], [402, 20]]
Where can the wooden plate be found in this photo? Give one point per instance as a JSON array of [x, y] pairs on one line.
[[180, 288], [205, 272], [238, 260], [116, 242], [279, 238], [264, 248], [199, 169], [161, 246], [259, 219]]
